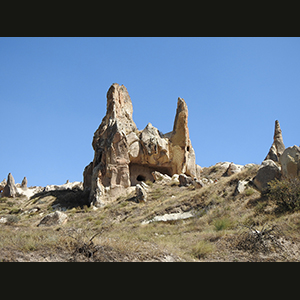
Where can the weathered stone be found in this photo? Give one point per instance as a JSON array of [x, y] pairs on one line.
[[161, 178], [184, 160], [170, 217], [175, 179], [3, 220], [268, 171], [2, 184], [198, 183], [233, 169], [241, 186], [24, 183], [125, 156], [10, 189], [141, 193], [55, 218], [185, 180], [277, 147], [290, 162], [87, 176]]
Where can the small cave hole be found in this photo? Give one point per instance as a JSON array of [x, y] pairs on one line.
[[141, 178], [187, 148]]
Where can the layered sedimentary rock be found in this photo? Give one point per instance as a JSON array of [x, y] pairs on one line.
[[277, 147], [125, 156]]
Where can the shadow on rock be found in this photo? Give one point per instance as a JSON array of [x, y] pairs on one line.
[[65, 198]]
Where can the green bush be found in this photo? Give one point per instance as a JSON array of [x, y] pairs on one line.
[[285, 193], [222, 224]]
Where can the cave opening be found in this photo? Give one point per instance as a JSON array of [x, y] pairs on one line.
[[141, 178]]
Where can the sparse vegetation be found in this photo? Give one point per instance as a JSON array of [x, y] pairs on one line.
[[221, 229], [285, 193], [202, 249]]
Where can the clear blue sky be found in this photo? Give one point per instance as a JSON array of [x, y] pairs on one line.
[[53, 97]]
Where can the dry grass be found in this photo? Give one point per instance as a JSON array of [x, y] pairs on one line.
[[118, 235]]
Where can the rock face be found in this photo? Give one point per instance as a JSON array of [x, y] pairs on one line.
[[125, 156], [277, 147], [290, 162], [10, 190]]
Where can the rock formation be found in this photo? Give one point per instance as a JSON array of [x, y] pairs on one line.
[[141, 192], [2, 184], [10, 189], [290, 162], [54, 218], [277, 147], [268, 171], [24, 183], [125, 156]]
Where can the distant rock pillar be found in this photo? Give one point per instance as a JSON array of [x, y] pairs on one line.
[[24, 183], [10, 189]]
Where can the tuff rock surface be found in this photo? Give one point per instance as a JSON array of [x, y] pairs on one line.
[[277, 147], [290, 162], [267, 172], [125, 156], [10, 190]]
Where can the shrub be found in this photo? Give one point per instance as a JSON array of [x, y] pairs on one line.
[[265, 240], [285, 193], [202, 249], [222, 224], [249, 192], [11, 219]]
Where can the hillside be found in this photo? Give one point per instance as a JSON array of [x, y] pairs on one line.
[[224, 225]]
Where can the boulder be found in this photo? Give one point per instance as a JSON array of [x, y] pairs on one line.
[[268, 171], [141, 193], [161, 178], [185, 180], [10, 190], [54, 218], [277, 147], [198, 183], [290, 162], [240, 187], [125, 156]]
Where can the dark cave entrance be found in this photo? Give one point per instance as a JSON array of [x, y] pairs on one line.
[[141, 178], [139, 172]]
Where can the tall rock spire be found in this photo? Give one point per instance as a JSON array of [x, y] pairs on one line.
[[277, 147]]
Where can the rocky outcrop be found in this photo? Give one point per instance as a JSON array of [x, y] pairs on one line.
[[233, 169], [277, 147], [24, 183], [2, 184], [10, 190], [125, 156], [290, 162]]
